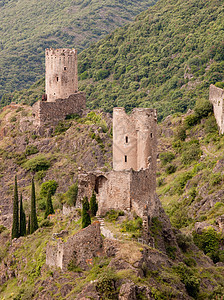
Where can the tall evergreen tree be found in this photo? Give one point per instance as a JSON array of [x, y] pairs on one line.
[[86, 220], [33, 215], [15, 224], [49, 206], [22, 219], [93, 204], [28, 228]]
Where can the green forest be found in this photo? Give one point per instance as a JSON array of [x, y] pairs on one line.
[[28, 27], [166, 59]]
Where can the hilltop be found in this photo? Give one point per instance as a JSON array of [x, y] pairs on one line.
[[28, 27], [165, 59]]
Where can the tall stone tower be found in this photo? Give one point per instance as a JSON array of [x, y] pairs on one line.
[[134, 139], [61, 73]]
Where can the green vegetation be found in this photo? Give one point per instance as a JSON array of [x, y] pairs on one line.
[[37, 163], [49, 206], [15, 222], [86, 220], [22, 219], [113, 215], [33, 214], [93, 206], [48, 187], [28, 27]]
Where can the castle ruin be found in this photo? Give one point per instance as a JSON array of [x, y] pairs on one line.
[[131, 185], [216, 97], [61, 96]]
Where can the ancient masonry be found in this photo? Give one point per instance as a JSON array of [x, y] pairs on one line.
[[216, 97], [131, 185], [61, 86]]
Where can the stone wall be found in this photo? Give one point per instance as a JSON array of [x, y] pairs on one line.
[[216, 97], [81, 248], [61, 73], [135, 139], [127, 190], [52, 112]]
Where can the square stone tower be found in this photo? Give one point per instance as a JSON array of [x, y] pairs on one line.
[[61, 73], [134, 139]]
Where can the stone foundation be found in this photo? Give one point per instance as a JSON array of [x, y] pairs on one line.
[[52, 112]]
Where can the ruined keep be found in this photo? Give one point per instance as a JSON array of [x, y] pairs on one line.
[[131, 185], [61, 96], [216, 97]]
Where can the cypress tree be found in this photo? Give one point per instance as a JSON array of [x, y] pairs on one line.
[[28, 229], [33, 215], [49, 206], [93, 204], [15, 224], [22, 220], [86, 220]]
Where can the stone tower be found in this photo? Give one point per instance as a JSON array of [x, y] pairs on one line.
[[61, 73], [134, 139]]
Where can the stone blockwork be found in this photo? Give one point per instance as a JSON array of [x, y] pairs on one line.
[[61, 73], [80, 248], [216, 97], [52, 112], [127, 190], [135, 139]]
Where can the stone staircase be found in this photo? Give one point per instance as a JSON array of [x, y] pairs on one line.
[[104, 230]]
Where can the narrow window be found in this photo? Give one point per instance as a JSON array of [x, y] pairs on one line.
[[65, 68], [126, 139], [57, 78], [125, 158], [151, 134]]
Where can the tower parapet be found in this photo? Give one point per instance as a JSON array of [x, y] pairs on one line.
[[61, 73]]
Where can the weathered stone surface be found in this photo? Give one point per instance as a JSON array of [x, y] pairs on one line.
[[216, 97], [80, 248], [128, 291]]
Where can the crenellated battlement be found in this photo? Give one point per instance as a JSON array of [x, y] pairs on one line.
[[60, 52]]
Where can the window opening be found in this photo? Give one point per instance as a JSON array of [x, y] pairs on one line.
[[126, 139], [57, 78], [125, 158]]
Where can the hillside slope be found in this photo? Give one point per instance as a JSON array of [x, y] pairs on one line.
[[28, 27], [166, 59]]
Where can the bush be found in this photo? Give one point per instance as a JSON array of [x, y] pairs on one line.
[[37, 163], [171, 169], [73, 267], [166, 157], [2, 228], [113, 215], [31, 149], [72, 194], [61, 127], [48, 187], [181, 133], [220, 85], [191, 120], [209, 242], [215, 179], [106, 284], [132, 225], [183, 241], [203, 108], [46, 223], [191, 152], [191, 282]]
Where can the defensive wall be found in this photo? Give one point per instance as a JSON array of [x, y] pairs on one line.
[[216, 97], [52, 112], [80, 248]]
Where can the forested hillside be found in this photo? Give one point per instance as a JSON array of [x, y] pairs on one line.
[[28, 27], [166, 59]]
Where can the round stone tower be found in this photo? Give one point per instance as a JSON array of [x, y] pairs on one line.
[[134, 139], [61, 73]]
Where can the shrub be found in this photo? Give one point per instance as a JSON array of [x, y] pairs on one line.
[[37, 163], [181, 133], [171, 169], [203, 108], [166, 157], [170, 251], [31, 149], [71, 194], [46, 223], [191, 152], [2, 228], [61, 127], [215, 179], [106, 284], [86, 220], [73, 267], [208, 241], [190, 262], [48, 187], [132, 225], [220, 85], [113, 215], [183, 241], [191, 120]]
